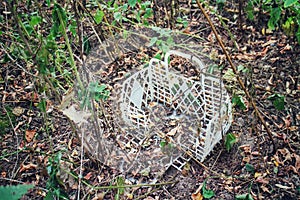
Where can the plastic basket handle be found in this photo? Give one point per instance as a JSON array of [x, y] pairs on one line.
[[189, 57]]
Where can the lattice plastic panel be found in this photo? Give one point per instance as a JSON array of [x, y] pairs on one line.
[[203, 106]]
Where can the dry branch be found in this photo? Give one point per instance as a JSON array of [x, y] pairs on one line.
[[252, 101]]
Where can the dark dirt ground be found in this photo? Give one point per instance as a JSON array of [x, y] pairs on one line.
[[274, 64]]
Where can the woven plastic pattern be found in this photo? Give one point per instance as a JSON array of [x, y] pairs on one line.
[[203, 105]]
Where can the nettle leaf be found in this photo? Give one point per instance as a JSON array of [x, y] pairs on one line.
[[278, 101], [14, 192], [288, 3], [238, 100], [229, 141], [99, 16]]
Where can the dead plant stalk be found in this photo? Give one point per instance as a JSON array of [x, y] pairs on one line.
[[252, 101]]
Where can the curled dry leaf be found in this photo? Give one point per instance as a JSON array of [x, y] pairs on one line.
[[246, 148], [18, 111], [197, 195], [29, 135], [27, 167], [297, 163], [77, 116], [262, 180], [173, 131], [283, 186], [99, 196], [88, 176], [265, 189], [285, 153]]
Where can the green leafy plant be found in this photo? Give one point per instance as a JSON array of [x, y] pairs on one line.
[[99, 92], [230, 141], [207, 193], [164, 41], [5, 119], [237, 100], [14, 192], [182, 21], [95, 92], [54, 184], [250, 168], [278, 101], [244, 197], [120, 181], [132, 11], [282, 14]]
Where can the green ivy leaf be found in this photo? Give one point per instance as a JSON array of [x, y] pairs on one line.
[[207, 193], [99, 16], [278, 101], [244, 197], [148, 13], [288, 3], [14, 192], [229, 141], [238, 100], [250, 168]]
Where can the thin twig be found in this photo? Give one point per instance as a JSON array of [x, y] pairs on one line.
[[252, 101]]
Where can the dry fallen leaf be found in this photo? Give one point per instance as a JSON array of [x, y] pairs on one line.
[[285, 153], [265, 189], [197, 195], [297, 163], [283, 186], [77, 116], [246, 148], [29, 135], [18, 111], [27, 167], [88, 176], [99, 196], [173, 131]]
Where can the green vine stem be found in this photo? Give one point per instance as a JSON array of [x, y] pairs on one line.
[[73, 65]]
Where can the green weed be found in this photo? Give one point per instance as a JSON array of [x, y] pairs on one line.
[[278, 101], [54, 184], [14, 192], [282, 14], [6, 118]]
